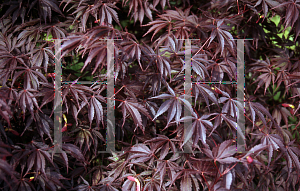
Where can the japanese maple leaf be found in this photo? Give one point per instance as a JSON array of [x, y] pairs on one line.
[[220, 31], [173, 105], [283, 76], [85, 186], [88, 137], [259, 110], [57, 30], [132, 51], [227, 66], [43, 123], [256, 149], [78, 92], [280, 113], [267, 75], [265, 78], [292, 155], [163, 144], [164, 21], [107, 13], [6, 169], [162, 63], [95, 109], [5, 111], [199, 65], [97, 51], [117, 166], [273, 141], [231, 106], [139, 9], [168, 42], [31, 77], [292, 12], [206, 93], [51, 179], [167, 167], [223, 152], [42, 56], [104, 11], [27, 100], [153, 184], [197, 130], [231, 122], [155, 82], [182, 19], [47, 92], [135, 109], [35, 155], [73, 41], [265, 4], [294, 76], [133, 88], [140, 153], [188, 178]]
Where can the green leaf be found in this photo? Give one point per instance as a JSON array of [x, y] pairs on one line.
[[277, 96], [293, 119], [276, 20]]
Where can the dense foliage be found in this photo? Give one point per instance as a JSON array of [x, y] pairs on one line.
[[149, 95]]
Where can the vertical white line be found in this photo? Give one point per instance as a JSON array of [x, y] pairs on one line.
[[241, 95], [110, 131], [57, 99], [187, 93]]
